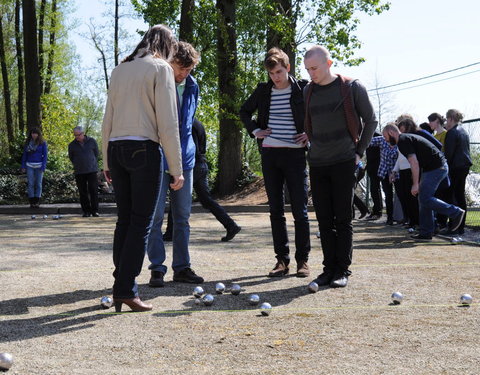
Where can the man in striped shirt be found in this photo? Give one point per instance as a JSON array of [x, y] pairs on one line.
[[279, 128]]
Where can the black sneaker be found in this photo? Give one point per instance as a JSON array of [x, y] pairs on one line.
[[340, 280], [324, 279], [421, 237], [457, 221], [373, 217], [187, 275], [95, 214], [231, 232], [87, 214], [156, 279]]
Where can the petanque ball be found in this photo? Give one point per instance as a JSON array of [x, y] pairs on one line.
[[208, 300], [106, 302], [198, 291], [45, 216], [313, 287], [236, 289], [397, 298], [6, 361], [466, 299], [219, 288], [34, 217], [266, 309], [253, 299]]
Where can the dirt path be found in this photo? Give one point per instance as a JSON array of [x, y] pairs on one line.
[[54, 272]]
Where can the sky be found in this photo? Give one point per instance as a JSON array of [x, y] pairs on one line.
[[414, 39]]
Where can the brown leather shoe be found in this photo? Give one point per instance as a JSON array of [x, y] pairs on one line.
[[280, 269], [135, 304], [303, 270]]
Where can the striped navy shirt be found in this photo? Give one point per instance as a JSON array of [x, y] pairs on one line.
[[281, 120]]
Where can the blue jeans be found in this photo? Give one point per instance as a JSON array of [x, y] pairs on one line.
[[332, 195], [181, 206], [428, 204], [34, 179], [287, 166], [135, 167]]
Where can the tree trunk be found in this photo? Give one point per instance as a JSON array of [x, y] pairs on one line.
[[41, 26], [115, 38], [21, 77], [285, 39], [229, 156], [6, 93], [51, 52], [32, 74], [186, 20]]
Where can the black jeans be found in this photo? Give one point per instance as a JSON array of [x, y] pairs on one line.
[[134, 168], [375, 193], [458, 177], [332, 193], [200, 185], [287, 166], [87, 185], [387, 188], [403, 187]]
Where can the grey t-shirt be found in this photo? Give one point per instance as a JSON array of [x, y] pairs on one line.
[[331, 143]]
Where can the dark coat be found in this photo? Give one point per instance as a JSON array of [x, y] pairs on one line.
[[84, 157], [260, 101]]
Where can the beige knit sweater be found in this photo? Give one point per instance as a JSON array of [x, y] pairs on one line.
[[142, 101]]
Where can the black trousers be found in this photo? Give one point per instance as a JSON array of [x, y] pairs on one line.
[[458, 176], [204, 196], [409, 202], [332, 194], [135, 171], [387, 188], [87, 185], [375, 193]]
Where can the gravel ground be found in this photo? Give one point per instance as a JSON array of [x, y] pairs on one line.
[[54, 272]]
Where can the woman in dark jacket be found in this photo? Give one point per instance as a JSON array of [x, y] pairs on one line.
[[457, 153], [34, 162]]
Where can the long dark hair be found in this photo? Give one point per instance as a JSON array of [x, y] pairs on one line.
[[39, 139], [159, 41]]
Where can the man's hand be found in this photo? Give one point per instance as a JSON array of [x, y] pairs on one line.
[[357, 159], [107, 176], [177, 182], [263, 133], [301, 139], [414, 190]]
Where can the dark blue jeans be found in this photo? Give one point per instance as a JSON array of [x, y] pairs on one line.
[[134, 168], [332, 194], [287, 166]]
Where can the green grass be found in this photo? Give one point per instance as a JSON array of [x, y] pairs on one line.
[[473, 218]]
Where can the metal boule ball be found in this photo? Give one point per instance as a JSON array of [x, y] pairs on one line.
[[34, 217], [253, 299], [55, 217], [60, 216], [45, 216], [198, 291], [219, 288], [198, 301], [313, 287], [106, 302], [208, 300], [411, 230], [6, 361], [235, 289], [266, 309], [466, 299], [397, 298]]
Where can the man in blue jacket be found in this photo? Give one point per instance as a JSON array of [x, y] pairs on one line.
[[180, 200], [83, 153]]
